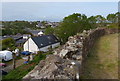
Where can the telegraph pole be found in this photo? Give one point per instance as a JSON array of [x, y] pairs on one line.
[[14, 63]]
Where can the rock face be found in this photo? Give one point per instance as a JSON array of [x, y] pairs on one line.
[[55, 67], [67, 61]]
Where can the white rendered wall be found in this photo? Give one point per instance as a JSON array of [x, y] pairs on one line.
[[56, 45], [30, 46], [45, 49]]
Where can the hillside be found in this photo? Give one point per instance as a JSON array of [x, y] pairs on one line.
[[102, 62]]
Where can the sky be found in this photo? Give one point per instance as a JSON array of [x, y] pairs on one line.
[[59, 0], [54, 11]]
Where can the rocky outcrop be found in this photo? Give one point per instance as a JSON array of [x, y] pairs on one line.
[[79, 45], [67, 61], [54, 67]]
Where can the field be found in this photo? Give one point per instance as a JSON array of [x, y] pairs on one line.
[[102, 61]]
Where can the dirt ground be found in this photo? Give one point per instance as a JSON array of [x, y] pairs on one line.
[[102, 61], [9, 66]]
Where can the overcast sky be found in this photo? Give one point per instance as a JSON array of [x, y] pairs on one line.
[[55, 11]]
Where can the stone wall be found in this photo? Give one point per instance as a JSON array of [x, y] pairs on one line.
[[70, 57], [82, 43]]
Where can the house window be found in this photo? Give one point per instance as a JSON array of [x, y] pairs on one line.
[[5, 57]]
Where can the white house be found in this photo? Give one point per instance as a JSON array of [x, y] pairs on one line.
[[40, 33], [6, 55], [26, 36], [41, 43]]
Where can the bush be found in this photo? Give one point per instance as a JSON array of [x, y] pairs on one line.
[[8, 43]]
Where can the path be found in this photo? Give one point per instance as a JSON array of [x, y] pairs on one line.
[[102, 62], [10, 66]]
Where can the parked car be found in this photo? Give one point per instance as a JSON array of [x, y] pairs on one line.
[[6, 55], [4, 72], [3, 65]]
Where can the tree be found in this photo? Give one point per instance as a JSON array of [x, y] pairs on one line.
[[49, 30], [118, 18], [111, 18], [43, 23], [100, 20], [92, 20], [71, 25], [8, 43], [14, 60]]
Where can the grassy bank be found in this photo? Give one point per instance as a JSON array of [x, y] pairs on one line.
[[102, 62]]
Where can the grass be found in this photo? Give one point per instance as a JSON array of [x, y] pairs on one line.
[[115, 25], [102, 61], [22, 70]]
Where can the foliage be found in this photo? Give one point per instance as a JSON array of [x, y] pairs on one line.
[[73, 24], [43, 22], [92, 20], [76, 22], [14, 27], [113, 25], [100, 20], [112, 18], [8, 43], [49, 30]]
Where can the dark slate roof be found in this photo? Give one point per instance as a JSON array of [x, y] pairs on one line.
[[21, 41], [35, 32], [15, 37], [45, 40]]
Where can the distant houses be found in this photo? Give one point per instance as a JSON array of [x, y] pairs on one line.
[[41, 43], [40, 33], [46, 24], [35, 40], [20, 42], [19, 39], [39, 24], [37, 32], [15, 37], [26, 36]]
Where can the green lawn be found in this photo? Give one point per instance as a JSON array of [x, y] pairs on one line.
[[102, 61]]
